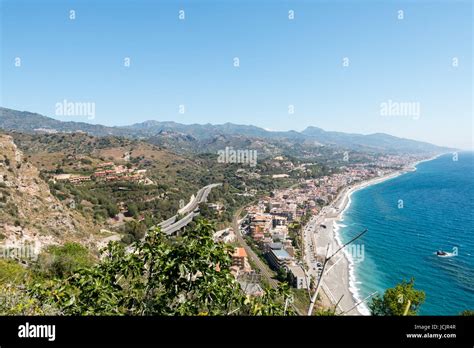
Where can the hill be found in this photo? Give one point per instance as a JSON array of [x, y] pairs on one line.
[[197, 138], [29, 212]]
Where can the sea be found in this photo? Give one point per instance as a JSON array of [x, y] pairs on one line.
[[409, 218]]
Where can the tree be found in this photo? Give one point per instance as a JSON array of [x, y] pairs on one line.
[[186, 276], [328, 312], [206, 212], [59, 169], [403, 299], [282, 274], [132, 210], [112, 210], [136, 229]]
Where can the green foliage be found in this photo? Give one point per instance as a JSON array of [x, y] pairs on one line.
[[282, 275], [127, 239], [325, 312], [15, 301], [13, 298], [12, 272], [132, 210], [134, 229], [186, 276], [112, 210], [61, 261], [467, 312], [395, 300], [206, 212], [272, 303]]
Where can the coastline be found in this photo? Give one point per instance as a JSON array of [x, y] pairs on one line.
[[341, 281]]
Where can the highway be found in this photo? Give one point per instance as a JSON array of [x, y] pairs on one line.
[[173, 225], [179, 224], [168, 222]]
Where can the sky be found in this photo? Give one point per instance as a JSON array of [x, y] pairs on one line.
[[350, 66]]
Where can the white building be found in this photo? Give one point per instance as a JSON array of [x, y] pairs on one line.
[[298, 277]]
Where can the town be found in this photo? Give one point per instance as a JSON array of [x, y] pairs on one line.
[[274, 225]]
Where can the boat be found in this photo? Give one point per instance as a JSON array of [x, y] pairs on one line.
[[441, 253]]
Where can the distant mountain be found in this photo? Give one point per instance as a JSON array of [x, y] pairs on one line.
[[205, 131], [28, 122], [208, 137], [377, 141]]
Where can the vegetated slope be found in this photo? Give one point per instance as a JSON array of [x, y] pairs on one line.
[[29, 212], [170, 177]]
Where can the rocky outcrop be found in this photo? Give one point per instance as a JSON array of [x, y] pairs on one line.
[[29, 213]]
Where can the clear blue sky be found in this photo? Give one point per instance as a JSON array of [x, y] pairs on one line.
[[282, 62]]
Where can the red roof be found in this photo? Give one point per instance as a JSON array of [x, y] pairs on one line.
[[240, 252]]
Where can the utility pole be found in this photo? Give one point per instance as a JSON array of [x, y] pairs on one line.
[[326, 260], [358, 303], [337, 304]]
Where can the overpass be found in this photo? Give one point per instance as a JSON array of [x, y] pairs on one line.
[[173, 225]]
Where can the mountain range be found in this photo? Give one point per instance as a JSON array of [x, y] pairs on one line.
[[209, 137]]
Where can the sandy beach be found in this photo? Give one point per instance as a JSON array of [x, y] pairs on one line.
[[339, 285]]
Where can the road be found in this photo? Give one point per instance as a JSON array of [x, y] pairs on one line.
[[309, 250], [179, 224], [192, 205], [173, 225]]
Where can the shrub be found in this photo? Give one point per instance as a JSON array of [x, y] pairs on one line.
[[64, 260], [12, 272], [403, 299]]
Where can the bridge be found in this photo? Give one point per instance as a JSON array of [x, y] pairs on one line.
[[173, 225]]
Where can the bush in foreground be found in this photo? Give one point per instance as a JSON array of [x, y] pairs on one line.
[[403, 299], [188, 275]]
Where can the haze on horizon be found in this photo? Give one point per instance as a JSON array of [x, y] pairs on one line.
[[337, 66]]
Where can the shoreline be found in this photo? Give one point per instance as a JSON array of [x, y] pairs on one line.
[[342, 281]]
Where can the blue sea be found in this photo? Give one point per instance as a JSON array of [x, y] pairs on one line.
[[410, 217]]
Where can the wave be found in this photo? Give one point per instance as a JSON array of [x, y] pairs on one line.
[[353, 288]]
